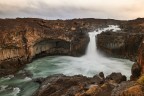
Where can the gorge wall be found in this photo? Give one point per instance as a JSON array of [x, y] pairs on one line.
[[120, 44], [127, 43]]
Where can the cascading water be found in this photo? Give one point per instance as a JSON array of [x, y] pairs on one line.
[[90, 64]]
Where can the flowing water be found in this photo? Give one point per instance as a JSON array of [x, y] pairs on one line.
[[88, 65]]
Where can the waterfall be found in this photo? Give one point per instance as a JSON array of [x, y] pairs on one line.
[[91, 50], [92, 53]]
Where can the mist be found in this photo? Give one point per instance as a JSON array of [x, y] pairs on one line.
[[66, 9]]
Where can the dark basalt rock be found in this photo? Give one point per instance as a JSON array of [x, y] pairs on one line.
[[39, 80], [140, 60], [136, 71], [114, 85], [119, 44], [117, 77], [101, 74], [78, 85]]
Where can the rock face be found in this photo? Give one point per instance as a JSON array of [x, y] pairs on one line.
[[141, 57], [119, 44], [61, 85]]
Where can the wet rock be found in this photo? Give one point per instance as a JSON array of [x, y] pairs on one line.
[[78, 85], [136, 71], [98, 79], [116, 77], [38, 80], [60, 85], [101, 74]]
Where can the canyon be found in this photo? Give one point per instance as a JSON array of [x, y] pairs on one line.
[[24, 40]]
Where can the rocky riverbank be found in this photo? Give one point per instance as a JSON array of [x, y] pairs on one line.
[[114, 84]]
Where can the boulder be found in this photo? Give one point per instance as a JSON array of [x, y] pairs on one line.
[[116, 77], [136, 71]]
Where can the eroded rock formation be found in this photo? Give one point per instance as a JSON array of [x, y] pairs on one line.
[[61, 85], [114, 84], [119, 44], [140, 60], [127, 43]]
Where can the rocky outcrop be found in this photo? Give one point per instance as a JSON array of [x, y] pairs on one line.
[[78, 85], [119, 44], [140, 60], [129, 88], [61, 85]]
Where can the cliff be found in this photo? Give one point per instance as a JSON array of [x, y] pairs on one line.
[[120, 44], [127, 43]]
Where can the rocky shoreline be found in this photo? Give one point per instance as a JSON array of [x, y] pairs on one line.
[[24, 39], [114, 84]]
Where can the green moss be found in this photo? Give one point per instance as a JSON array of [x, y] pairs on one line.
[[141, 80]]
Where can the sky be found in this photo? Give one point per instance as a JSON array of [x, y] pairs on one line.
[[68, 9]]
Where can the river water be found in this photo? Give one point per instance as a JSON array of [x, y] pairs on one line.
[[89, 65]]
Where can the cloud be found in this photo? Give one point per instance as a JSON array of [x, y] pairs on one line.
[[64, 9]]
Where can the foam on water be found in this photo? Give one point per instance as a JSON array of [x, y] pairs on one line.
[[15, 91], [3, 87]]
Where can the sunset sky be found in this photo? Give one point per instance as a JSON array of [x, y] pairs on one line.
[[67, 9]]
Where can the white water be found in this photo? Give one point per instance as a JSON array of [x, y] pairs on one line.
[[89, 65]]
